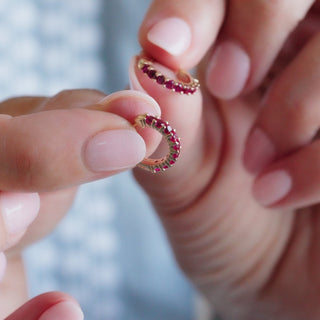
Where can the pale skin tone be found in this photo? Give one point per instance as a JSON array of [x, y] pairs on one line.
[[254, 255]]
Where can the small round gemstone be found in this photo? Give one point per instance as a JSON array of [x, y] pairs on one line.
[[161, 79], [176, 147], [169, 84], [178, 87], [175, 156], [172, 162], [160, 123], [152, 73], [157, 169], [165, 167], [149, 120], [174, 138], [145, 68]]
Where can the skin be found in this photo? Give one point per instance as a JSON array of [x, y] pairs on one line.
[[249, 260]]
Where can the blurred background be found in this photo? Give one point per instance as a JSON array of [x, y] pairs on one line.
[[110, 252]]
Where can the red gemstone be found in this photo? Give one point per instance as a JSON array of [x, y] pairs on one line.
[[161, 79], [169, 84], [145, 68], [176, 147], [172, 162], [149, 120], [165, 167], [174, 138], [152, 73], [175, 156], [157, 169], [178, 87], [187, 90], [159, 123]]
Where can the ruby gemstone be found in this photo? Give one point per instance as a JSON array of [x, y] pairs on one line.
[[152, 73], [161, 79], [169, 84], [159, 123], [145, 68], [149, 120], [178, 87]]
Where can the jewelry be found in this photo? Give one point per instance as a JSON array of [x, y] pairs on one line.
[[186, 84], [158, 165]]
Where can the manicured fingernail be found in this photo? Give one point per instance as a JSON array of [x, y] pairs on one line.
[[63, 310], [259, 151], [272, 187], [19, 210], [228, 70], [114, 150], [172, 35]]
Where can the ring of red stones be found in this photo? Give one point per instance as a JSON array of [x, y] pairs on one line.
[[169, 134], [185, 84]]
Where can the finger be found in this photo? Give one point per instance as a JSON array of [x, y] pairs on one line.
[[52, 305], [253, 35], [178, 33], [197, 161], [17, 212], [291, 182], [290, 117], [60, 148]]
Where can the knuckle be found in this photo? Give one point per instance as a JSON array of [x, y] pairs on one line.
[[27, 166]]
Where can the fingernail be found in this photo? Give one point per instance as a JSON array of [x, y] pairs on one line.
[[173, 35], [259, 151], [19, 210], [228, 71], [272, 187], [63, 310], [114, 150]]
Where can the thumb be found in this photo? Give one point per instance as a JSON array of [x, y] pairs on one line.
[[49, 306]]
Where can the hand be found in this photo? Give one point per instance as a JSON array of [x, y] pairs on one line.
[[49, 146], [254, 253]]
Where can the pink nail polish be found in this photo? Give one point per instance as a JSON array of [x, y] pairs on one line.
[[114, 150], [173, 35], [228, 71], [19, 210], [259, 151], [63, 310], [272, 187]]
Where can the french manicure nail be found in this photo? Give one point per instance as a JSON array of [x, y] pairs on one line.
[[228, 70], [272, 187], [259, 151], [114, 150], [18, 210], [173, 35], [63, 310]]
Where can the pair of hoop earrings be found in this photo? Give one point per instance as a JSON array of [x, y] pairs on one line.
[[185, 84]]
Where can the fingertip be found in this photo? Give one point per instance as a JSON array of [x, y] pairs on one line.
[[172, 35], [19, 210], [63, 310]]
